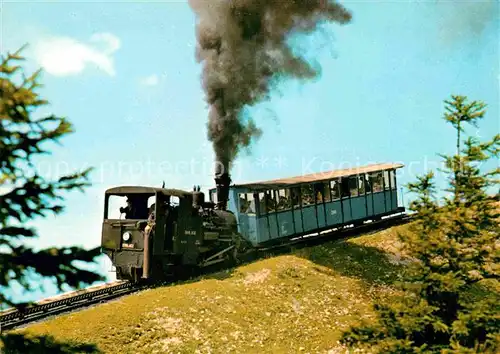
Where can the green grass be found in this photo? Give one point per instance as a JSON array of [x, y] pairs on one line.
[[298, 302]]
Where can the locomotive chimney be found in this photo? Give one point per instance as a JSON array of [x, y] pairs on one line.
[[222, 181], [198, 197]]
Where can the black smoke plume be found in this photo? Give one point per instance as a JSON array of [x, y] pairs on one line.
[[243, 46]]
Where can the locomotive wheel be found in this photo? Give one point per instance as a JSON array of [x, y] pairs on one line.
[[231, 258], [136, 274], [234, 256], [119, 273]]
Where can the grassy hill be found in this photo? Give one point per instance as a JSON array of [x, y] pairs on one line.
[[299, 302]]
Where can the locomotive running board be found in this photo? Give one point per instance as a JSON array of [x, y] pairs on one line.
[[209, 261]]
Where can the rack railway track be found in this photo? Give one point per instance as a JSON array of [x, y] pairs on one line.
[[13, 318]]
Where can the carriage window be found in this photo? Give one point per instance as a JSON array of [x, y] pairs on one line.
[[214, 197], [319, 192], [307, 194], [377, 182], [295, 191], [250, 203], [328, 194], [262, 204], [243, 202], [386, 180], [368, 184], [284, 199], [270, 202], [393, 179], [344, 187], [361, 184], [353, 186], [335, 188], [247, 203]]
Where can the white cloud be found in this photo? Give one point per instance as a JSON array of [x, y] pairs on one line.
[[62, 56], [151, 80]]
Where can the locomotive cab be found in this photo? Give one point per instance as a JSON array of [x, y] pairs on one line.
[[127, 212], [156, 233]]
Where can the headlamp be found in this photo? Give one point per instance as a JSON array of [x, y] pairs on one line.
[[127, 236]]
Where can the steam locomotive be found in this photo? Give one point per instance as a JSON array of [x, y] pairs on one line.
[[169, 237], [170, 232]]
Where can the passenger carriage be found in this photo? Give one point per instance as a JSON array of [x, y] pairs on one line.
[[286, 208]]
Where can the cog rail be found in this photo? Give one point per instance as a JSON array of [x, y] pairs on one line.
[[12, 318]]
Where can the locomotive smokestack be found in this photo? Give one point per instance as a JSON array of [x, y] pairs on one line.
[[222, 181]]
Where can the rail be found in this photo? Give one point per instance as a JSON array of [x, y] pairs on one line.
[[12, 318]]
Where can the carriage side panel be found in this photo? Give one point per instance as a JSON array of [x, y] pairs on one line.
[[358, 205], [333, 213], [285, 221], [346, 210], [309, 217]]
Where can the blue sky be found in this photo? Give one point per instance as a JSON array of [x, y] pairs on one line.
[[125, 74]]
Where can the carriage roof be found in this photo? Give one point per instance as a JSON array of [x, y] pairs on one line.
[[319, 176]]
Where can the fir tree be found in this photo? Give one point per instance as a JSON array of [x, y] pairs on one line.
[[25, 195], [450, 301]]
